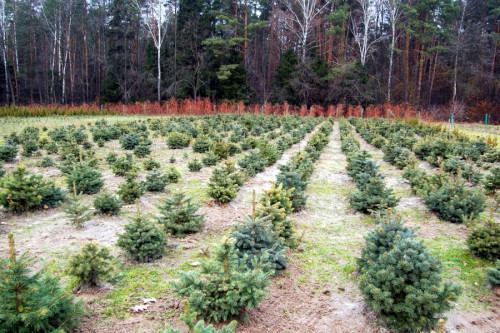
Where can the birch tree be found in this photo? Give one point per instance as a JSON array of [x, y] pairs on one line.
[[3, 26], [300, 19], [156, 14], [65, 59], [51, 12], [14, 37], [362, 24], [394, 12], [460, 28]]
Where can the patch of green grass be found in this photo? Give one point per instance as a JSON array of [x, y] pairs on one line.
[[136, 282], [349, 268], [319, 187], [328, 256], [415, 215], [192, 187], [463, 268]]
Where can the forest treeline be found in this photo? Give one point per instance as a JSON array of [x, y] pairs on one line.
[[422, 52]]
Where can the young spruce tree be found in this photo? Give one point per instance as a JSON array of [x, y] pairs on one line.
[[454, 201], [373, 197], [178, 215], [276, 214], [33, 302], [401, 280], [77, 212], [189, 318], [132, 188], [493, 274], [106, 203], [143, 240], [215, 291], [92, 265], [484, 240], [20, 191], [255, 238], [86, 179], [222, 186]]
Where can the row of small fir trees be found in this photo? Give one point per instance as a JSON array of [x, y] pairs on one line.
[[372, 194], [446, 191], [235, 277]]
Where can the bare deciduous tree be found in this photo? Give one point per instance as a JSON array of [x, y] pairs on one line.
[[299, 19], [362, 23], [460, 28], [394, 13], [3, 26], [156, 14]]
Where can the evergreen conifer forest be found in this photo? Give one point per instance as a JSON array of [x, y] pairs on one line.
[[248, 222], [438, 56]]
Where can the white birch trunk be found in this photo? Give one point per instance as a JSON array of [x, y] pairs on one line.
[[459, 36], [155, 14], [66, 51], [391, 60], [158, 85], [16, 58], [362, 38], [301, 20], [393, 7], [4, 52]]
